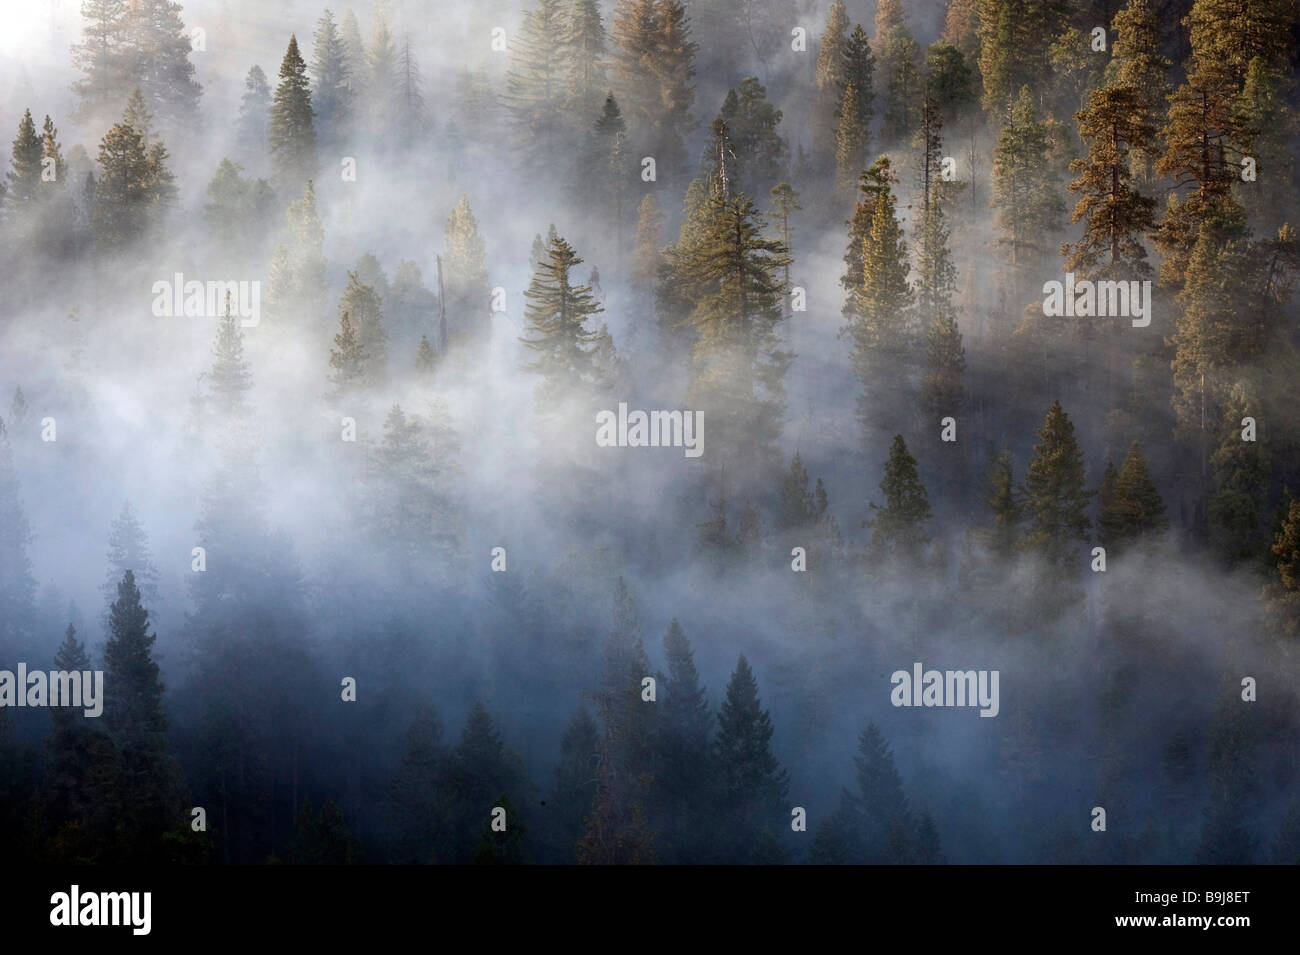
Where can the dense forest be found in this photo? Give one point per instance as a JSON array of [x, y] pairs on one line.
[[981, 313]]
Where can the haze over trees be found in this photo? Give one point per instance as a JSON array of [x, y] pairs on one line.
[[300, 371]]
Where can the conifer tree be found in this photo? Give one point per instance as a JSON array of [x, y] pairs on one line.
[[850, 142], [1012, 52], [426, 359], [1131, 505], [900, 72], [104, 59], [873, 825], [761, 152], [77, 755], [752, 786], [128, 549], [575, 782], [331, 92], [291, 133], [652, 70], [414, 802], [1115, 127], [737, 364], [348, 358], [879, 312], [649, 241], [133, 190], [536, 86], [557, 314], [1137, 63], [254, 114], [617, 830], [133, 690], [1054, 496], [480, 769], [897, 530], [466, 276], [1005, 506], [1241, 472], [25, 174], [684, 757], [1282, 593], [1025, 194], [363, 304], [830, 82], [785, 203], [582, 52], [17, 587], [160, 55]]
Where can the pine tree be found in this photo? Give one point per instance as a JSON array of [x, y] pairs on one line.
[[557, 314], [1267, 125], [1054, 496], [882, 810], [160, 63], [830, 82], [133, 190], [331, 93], [737, 365], [859, 69], [961, 28], [1137, 63], [897, 529], [604, 171], [1117, 216], [649, 241], [1012, 52], [751, 785], [480, 769], [17, 587], [365, 307], [381, 93], [128, 549], [1131, 505], [879, 312], [133, 689], [25, 174], [322, 838], [785, 203], [104, 59], [1005, 506], [575, 782], [466, 276], [536, 86], [900, 71], [582, 54], [850, 142], [948, 79], [414, 794], [1241, 473], [761, 152], [291, 133], [1025, 194], [254, 112], [1282, 593], [652, 72], [617, 830], [348, 358]]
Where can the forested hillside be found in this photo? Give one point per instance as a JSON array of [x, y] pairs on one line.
[[573, 431]]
